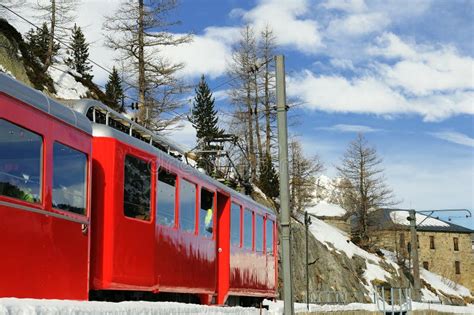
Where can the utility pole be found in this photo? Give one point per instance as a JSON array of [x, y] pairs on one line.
[[414, 257], [284, 189]]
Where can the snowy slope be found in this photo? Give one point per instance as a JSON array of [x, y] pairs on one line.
[[324, 208], [66, 86]]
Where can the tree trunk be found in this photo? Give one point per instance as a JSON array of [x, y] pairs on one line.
[[141, 64], [257, 123], [266, 102], [52, 28], [253, 161]]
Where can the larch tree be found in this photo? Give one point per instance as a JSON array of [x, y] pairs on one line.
[[364, 186], [59, 16], [114, 91], [204, 119], [243, 95], [139, 31], [303, 172], [78, 54]]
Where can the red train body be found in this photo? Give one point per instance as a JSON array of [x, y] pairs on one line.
[[87, 208]]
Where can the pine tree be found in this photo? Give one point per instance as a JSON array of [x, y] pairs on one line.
[[79, 54], [268, 180], [114, 91], [38, 41], [204, 120]]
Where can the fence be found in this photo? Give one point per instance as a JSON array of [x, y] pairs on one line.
[[393, 301]]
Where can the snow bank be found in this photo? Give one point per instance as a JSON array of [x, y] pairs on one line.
[[400, 217], [444, 285], [66, 86], [324, 208], [11, 306]]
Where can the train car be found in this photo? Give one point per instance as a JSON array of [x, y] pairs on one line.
[[45, 173], [156, 226]]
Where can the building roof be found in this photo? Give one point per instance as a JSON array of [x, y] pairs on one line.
[[389, 219]]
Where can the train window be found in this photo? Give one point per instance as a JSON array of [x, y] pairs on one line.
[[259, 233], [248, 229], [235, 225], [20, 162], [137, 188], [69, 179], [269, 237], [187, 206], [206, 213], [166, 198]]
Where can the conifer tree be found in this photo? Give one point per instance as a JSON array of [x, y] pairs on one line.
[[268, 180], [114, 91], [38, 42], [204, 120], [78, 54]]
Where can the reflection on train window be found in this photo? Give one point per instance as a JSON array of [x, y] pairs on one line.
[[20, 163], [166, 197], [235, 225], [259, 233], [69, 179], [187, 206], [206, 213], [248, 229], [269, 236], [136, 192]]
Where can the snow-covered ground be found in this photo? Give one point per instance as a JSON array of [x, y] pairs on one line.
[[66, 86]]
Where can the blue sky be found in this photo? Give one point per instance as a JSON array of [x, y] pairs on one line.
[[402, 71]]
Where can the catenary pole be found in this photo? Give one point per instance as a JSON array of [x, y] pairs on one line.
[[414, 256], [284, 189]]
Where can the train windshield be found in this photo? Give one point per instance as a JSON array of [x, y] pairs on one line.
[[20, 163]]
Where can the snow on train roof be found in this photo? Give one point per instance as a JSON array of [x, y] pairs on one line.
[[99, 130], [40, 101]]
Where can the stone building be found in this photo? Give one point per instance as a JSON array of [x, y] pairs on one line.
[[443, 247]]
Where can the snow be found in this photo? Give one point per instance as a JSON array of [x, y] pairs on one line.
[[324, 208], [9, 306], [66, 86], [400, 217], [276, 308], [4, 70], [444, 285]]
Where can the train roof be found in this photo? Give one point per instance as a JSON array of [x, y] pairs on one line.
[[44, 103]]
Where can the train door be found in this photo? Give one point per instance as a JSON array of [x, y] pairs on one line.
[[134, 250], [223, 247]]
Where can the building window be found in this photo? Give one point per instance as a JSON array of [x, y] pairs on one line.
[[166, 198], [20, 162], [432, 243], [187, 206], [206, 214], [457, 267], [402, 241], [456, 243], [248, 229], [259, 233], [69, 179], [269, 236], [426, 265], [137, 188], [235, 225]]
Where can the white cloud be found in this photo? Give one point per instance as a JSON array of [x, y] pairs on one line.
[[455, 137], [358, 24], [185, 135], [288, 24], [345, 5], [342, 63], [350, 128]]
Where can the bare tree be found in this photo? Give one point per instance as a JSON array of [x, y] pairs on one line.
[[303, 173], [139, 31], [60, 17], [365, 189], [243, 92]]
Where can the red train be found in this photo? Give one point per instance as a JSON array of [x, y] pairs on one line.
[[94, 206]]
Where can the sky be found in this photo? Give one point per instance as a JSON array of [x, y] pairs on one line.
[[400, 71]]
